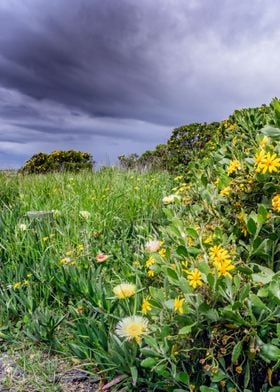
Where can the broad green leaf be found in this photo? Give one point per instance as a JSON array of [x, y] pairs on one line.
[[148, 362], [257, 302], [237, 349], [203, 267], [183, 377], [187, 329], [269, 131], [207, 389], [219, 376], [270, 352]]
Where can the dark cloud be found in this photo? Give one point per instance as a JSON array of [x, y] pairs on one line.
[[115, 76]]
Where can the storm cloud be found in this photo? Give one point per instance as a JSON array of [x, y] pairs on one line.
[[113, 77]]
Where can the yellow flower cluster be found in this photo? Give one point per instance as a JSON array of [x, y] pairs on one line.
[[221, 260], [225, 191], [276, 202], [266, 162], [178, 305], [18, 285], [195, 278], [233, 166], [242, 216], [146, 306]]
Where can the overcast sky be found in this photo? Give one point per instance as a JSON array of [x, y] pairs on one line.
[[115, 76]]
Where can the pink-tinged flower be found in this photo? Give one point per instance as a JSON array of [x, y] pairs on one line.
[[153, 246], [101, 257]]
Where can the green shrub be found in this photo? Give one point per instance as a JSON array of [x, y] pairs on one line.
[[57, 161]]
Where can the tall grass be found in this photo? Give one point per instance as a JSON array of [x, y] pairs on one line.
[[48, 263]]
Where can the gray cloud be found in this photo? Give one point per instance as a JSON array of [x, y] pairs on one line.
[[113, 77]]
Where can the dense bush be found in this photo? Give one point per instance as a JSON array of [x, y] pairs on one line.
[[58, 161]]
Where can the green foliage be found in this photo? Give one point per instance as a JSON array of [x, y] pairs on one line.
[[57, 161], [198, 257], [186, 141]]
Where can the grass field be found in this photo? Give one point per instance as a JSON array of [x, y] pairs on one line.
[[49, 270]]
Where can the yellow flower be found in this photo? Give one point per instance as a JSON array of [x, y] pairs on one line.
[[146, 306], [276, 202], [238, 369], [17, 285], [185, 264], [150, 261], [136, 263], [178, 305], [194, 278], [270, 163], [69, 253], [132, 328], [209, 239], [26, 283], [124, 290], [264, 142], [259, 157], [224, 267], [66, 260], [151, 273], [80, 248], [225, 191], [162, 252], [233, 166]]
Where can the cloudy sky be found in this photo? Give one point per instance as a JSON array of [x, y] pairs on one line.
[[115, 76]]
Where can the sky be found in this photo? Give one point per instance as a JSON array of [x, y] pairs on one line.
[[114, 77]]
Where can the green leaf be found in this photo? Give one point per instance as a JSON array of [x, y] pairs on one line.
[[182, 251], [183, 377], [270, 352], [262, 214], [207, 389], [150, 341], [251, 226], [134, 375], [237, 349], [278, 330], [257, 302], [219, 376], [148, 362], [156, 293], [244, 292], [274, 289], [264, 276], [172, 276], [187, 329], [274, 133], [192, 233], [247, 374], [203, 267]]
